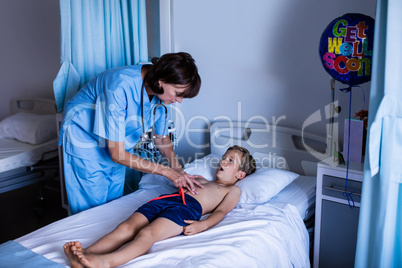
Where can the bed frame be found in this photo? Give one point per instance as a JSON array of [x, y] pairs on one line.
[[33, 105], [278, 144], [47, 167]]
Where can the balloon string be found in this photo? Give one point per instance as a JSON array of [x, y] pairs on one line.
[[351, 202]]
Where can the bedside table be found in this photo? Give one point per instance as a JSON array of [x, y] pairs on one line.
[[335, 221]]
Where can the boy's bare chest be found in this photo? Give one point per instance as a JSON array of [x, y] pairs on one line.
[[212, 187], [211, 195]]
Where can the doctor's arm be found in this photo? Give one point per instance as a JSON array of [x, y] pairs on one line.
[[178, 177], [165, 147]]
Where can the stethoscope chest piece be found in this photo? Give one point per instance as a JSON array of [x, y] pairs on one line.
[[144, 137]]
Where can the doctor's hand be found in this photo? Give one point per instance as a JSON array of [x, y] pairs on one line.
[[183, 180]]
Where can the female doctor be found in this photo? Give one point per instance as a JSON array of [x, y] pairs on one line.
[[109, 116]]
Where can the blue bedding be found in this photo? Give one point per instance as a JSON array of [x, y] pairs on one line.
[[13, 254]]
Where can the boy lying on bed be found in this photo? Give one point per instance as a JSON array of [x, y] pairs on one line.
[[168, 216]]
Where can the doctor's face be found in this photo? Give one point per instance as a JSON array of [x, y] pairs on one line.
[[171, 93]]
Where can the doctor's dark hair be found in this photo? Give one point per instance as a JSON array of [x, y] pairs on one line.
[[177, 69], [247, 161]]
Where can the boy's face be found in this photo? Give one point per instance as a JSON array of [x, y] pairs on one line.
[[228, 167]]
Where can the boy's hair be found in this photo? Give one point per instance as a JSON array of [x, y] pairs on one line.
[[247, 161], [176, 69]]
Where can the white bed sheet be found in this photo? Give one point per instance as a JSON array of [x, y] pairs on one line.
[[300, 193], [15, 154], [268, 235]]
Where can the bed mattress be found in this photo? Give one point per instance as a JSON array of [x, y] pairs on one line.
[[264, 231], [15, 154], [262, 227]]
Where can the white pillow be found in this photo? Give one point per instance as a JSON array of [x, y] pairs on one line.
[[205, 167], [264, 184], [29, 127]]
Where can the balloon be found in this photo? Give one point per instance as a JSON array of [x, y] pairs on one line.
[[346, 48]]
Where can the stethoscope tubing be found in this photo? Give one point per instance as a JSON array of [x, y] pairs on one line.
[[144, 136]]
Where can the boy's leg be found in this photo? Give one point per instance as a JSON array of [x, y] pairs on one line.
[[158, 230], [123, 233]]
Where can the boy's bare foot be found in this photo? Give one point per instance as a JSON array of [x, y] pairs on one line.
[[91, 260], [77, 247], [74, 261]]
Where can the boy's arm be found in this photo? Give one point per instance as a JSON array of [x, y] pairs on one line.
[[228, 203]]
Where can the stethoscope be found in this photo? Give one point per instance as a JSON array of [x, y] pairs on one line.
[[144, 136]]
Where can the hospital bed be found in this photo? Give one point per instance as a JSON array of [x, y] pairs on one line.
[[266, 229], [28, 144]]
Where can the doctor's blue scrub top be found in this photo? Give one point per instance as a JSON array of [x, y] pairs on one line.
[[109, 108]]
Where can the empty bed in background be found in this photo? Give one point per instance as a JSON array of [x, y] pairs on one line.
[[28, 144], [266, 229]]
